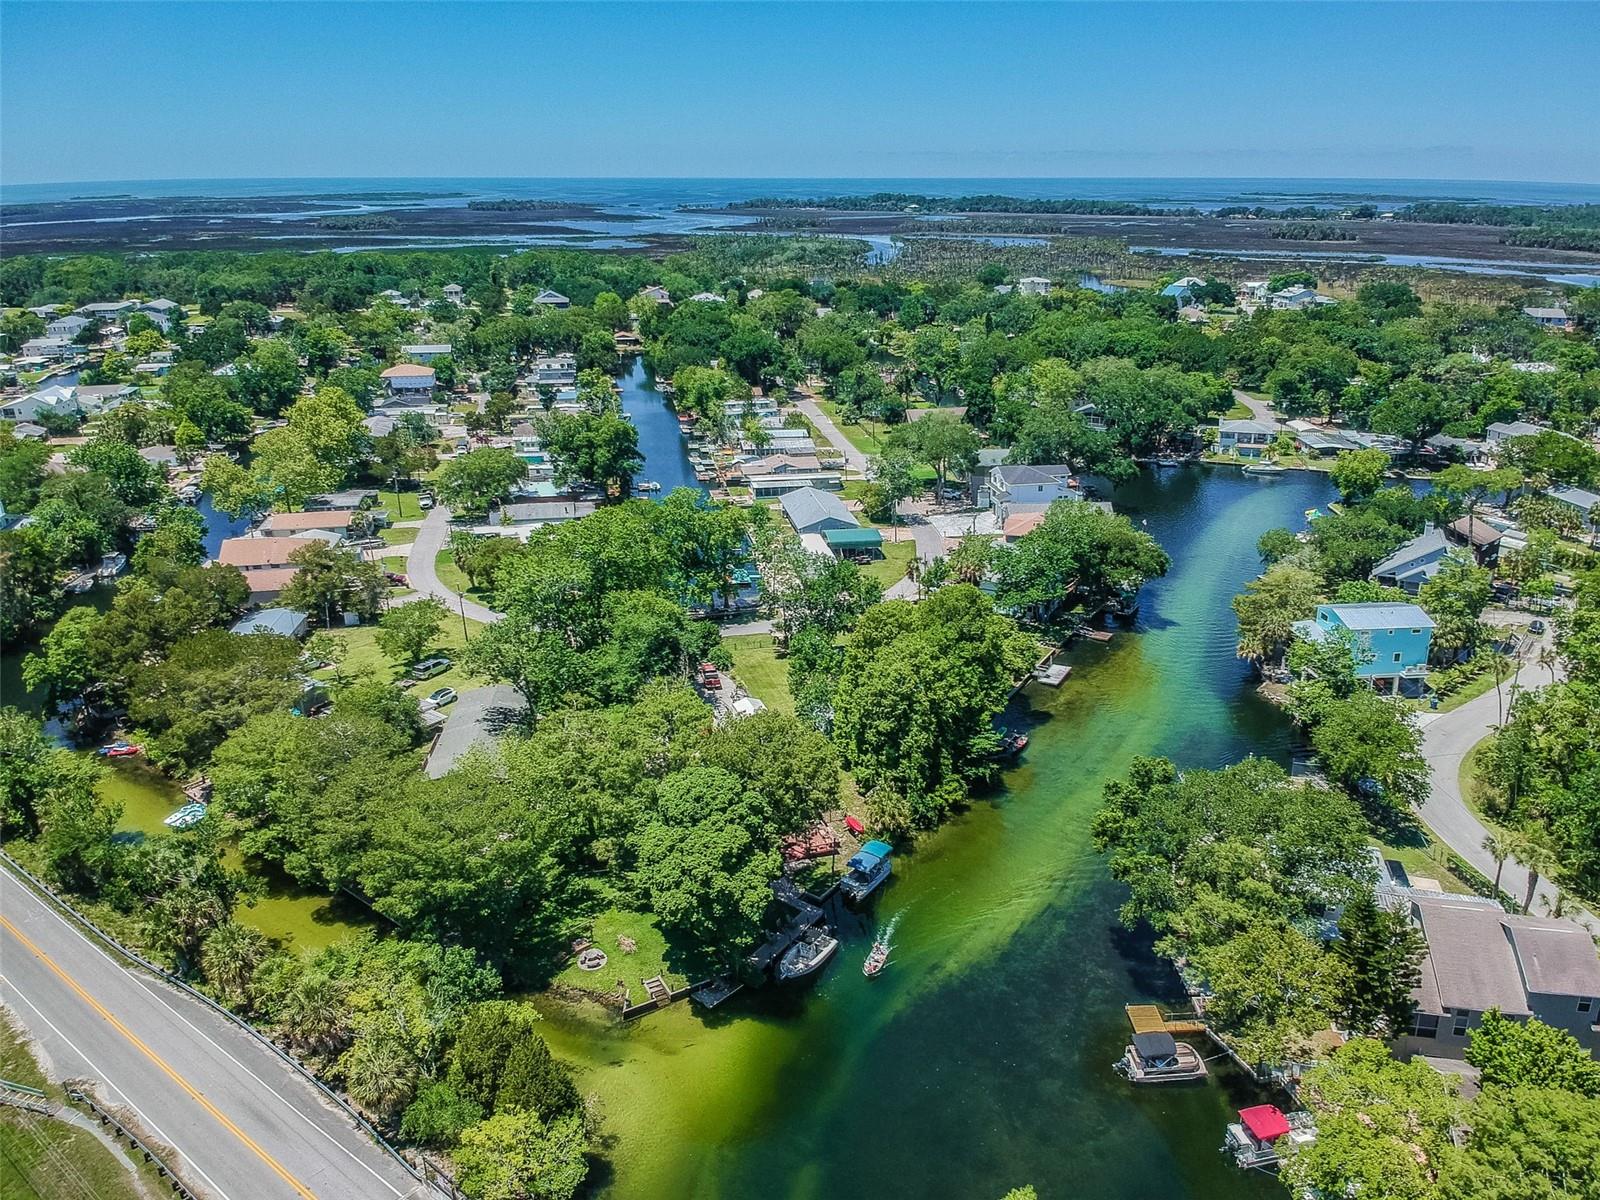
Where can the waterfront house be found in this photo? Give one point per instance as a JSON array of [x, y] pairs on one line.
[[108, 311], [1504, 431], [1296, 298], [53, 401], [1023, 488], [656, 293], [426, 352], [554, 370], [771, 485], [350, 499], [811, 510], [1183, 290], [1413, 564], [69, 326], [264, 562], [1034, 285], [1245, 438], [341, 523], [49, 348], [455, 293], [1392, 640], [1481, 957], [1092, 416], [1252, 291], [1467, 450], [1550, 318], [103, 397], [161, 311], [551, 298], [409, 383]]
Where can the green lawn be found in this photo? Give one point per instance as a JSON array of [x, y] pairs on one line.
[[1425, 858], [647, 960], [891, 568], [399, 537], [1239, 412], [454, 578], [859, 436], [365, 658], [401, 506], [756, 665], [45, 1159]]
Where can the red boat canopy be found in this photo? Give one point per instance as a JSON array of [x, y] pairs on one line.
[[854, 825], [1265, 1122]]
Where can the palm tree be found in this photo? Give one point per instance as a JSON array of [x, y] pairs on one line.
[[914, 572], [380, 1075], [1536, 858], [230, 957], [1549, 659], [1499, 849]]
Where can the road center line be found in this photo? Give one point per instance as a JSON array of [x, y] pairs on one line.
[[133, 1039]]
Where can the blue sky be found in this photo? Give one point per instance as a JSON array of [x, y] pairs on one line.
[[136, 91]]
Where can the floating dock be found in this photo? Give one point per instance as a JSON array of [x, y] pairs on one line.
[[1148, 1018], [1052, 674]]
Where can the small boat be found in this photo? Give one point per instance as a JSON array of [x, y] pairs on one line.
[[111, 566], [79, 583], [647, 485], [877, 959], [1012, 742], [1267, 469], [1127, 603], [1169, 461], [120, 749], [814, 948], [1158, 1058], [1263, 1134], [868, 868], [187, 816]]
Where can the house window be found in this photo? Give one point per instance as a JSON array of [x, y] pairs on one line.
[[1424, 1025], [1397, 656], [1416, 631], [1586, 1004], [1460, 1027]]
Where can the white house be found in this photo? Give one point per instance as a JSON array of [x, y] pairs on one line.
[[1034, 285], [1299, 297], [426, 352], [1023, 488], [1550, 318], [455, 293], [1246, 438], [657, 293], [409, 383], [48, 347], [54, 401], [552, 299], [108, 311]]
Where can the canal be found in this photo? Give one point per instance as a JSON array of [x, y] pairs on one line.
[[661, 442], [981, 1059]]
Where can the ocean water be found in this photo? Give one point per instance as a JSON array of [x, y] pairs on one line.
[[656, 194]]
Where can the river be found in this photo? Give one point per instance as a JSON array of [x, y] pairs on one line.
[[981, 1059]]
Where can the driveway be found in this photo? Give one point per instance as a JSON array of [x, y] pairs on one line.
[[1260, 410], [432, 535], [1447, 738], [856, 460]]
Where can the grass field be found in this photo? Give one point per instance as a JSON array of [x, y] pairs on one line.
[[364, 658], [399, 537], [647, 960], [45, 1159], [859, 436], [454, 578], [1426, 858], [401, 506], [756, 665], [891, 568]]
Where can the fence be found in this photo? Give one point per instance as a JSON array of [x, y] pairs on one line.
[[106, 1117], [431, 1177]]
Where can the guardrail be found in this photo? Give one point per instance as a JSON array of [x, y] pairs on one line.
[[106, 1117], [436, 1181]]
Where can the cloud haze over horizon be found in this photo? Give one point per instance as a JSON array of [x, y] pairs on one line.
[[1475, 91]]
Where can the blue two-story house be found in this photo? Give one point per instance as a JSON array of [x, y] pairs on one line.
[[1392, 641]]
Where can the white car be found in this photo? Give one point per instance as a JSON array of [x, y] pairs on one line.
[[442, 697]]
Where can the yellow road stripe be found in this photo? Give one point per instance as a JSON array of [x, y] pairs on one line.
[[133, 1038]]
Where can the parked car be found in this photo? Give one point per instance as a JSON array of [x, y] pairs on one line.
[[424, 502], [442, 697], [1536, 627], [709, 675], [429, 667], [395, 578]]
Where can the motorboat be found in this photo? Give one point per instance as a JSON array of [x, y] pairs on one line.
[[121, 749], [867, 868], [877, 959], [1159, 1058], [186, 817], [806, 957], [1264, 1135], [647, 485], [1265, 469], [1012, 742]]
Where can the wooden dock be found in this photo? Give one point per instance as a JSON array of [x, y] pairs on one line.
[[1148, 1018]]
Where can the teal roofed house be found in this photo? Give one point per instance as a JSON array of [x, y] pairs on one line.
[[1392, 641]]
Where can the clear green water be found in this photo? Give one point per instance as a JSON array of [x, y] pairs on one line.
[[981, 1059], [295, 916]]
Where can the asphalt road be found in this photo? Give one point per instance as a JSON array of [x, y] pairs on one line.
[[241, 1124], [432, 534]]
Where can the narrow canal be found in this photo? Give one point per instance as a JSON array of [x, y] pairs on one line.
[[981, 1060], [666, 458]]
